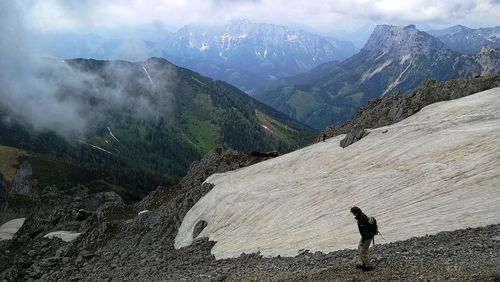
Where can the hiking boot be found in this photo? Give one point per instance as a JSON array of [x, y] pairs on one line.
[[360, 266], [369, 268]]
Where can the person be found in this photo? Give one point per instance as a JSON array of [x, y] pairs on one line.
[[366, 238], [323, 137]]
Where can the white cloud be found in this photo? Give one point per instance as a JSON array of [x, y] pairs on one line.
[[320, 14]]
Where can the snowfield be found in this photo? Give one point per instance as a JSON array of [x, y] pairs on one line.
[[66, 236], [437, 170], [10, 228]]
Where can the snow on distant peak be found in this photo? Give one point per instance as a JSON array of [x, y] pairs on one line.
[[204, 47], [444, 160], [147, 74]]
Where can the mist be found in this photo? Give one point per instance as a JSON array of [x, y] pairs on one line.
[[49, 94]]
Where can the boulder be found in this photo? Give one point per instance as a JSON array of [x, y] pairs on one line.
[[94, 201], [353, 136]]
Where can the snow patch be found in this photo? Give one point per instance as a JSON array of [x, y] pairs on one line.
[[10, 228], [143, 212], [204, 47], [291, 37], [381, 55], [404, 58], [66, 236], [147, 73], [370, 73], [112, 135], [444, 160], [396, 81], [94, 146]]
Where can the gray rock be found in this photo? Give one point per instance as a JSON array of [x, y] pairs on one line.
[[22, 181], [49, 262], [352, 137], [86, 254], [199, 227], [94, 201], [31, 253]]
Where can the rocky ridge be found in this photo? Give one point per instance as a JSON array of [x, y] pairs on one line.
[[395, 107], [468, 40]]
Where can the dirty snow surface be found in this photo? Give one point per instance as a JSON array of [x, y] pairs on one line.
[[8, 229], [66, 236], [437, 170]]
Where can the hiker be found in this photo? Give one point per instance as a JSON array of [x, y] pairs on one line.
[[323, 137], [367, 230]]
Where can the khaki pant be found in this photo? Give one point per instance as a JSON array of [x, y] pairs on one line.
[[363, 252]]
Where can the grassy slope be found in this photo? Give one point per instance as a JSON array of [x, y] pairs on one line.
[[155, 151]]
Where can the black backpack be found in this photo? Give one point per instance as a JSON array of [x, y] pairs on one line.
[[372, 223]]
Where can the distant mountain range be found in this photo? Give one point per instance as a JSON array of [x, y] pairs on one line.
[[243, 53], [394, 59], [462, 39], [148, 122]]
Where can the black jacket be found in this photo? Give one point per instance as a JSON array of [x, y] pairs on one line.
[[364, 227]]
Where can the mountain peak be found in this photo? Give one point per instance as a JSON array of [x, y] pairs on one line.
[[458, 28], [390, 38]]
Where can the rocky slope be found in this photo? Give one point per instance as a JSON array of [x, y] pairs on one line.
[[127, 243], [465, 255], [113, 233], [394, 108], [462, 39], [393, 59], [20, 200]]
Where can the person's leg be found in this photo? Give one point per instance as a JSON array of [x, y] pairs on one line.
[[360, 255], [363, 252]]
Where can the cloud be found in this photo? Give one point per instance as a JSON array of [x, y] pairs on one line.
[[320, 14], [50, 94]]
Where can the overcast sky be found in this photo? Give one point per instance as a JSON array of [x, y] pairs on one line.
[[321, 15]]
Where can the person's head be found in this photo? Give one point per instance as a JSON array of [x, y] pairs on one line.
[[355, 211]]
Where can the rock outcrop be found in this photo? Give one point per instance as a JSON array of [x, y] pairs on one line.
[[22, 182], [353, 136], [3, 190], [394, 108]]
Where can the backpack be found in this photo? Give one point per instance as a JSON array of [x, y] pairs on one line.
[[373, 225]]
